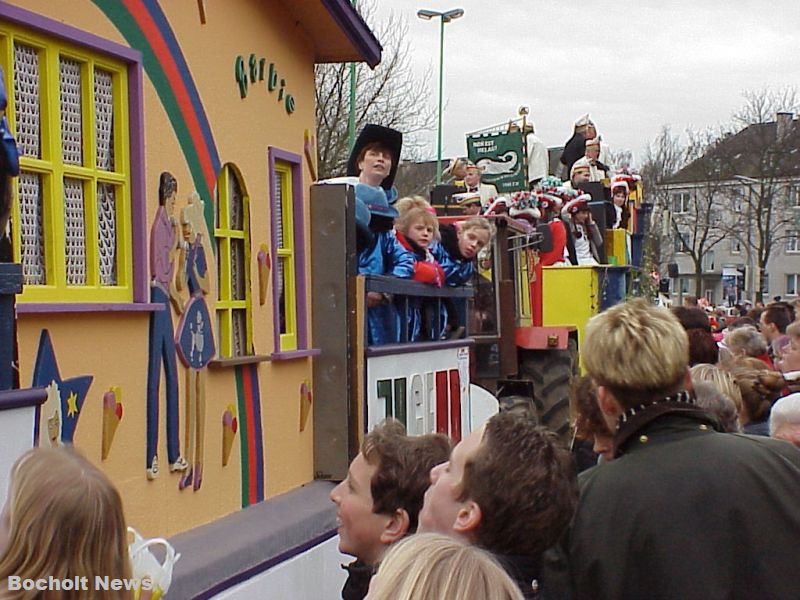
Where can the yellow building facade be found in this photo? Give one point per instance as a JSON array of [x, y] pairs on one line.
[[103, 98]]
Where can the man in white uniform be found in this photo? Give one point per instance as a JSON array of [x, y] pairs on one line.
[[537, 159], [472, 183]]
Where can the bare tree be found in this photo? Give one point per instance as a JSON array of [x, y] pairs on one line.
[[696, 215], [662, 159], [767, 180], [620, 159], [760, 106], [393, 94], [738, 183]]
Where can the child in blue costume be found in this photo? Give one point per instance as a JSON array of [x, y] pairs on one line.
[[9, 167], [374, 160], [417, 230], [456, 253]]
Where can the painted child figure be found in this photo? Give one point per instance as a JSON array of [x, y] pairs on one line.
[[417, 230], [194, 339], [374, 160], [379, 501]]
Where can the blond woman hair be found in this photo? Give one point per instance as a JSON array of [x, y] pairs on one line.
[[722, 380], [638, 351], [759, 386], [430, 566], [65, 520], [793, 330]]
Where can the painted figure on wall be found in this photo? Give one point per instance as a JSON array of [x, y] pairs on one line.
[[58, 417], [194, 340], [163, 249]]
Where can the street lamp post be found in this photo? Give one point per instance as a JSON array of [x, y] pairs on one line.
[[751, 276], [445, 17]]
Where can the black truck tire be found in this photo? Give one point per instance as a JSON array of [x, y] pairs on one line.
[[551, 372]]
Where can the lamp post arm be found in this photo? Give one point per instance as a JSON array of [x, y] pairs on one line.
[[441, 93]]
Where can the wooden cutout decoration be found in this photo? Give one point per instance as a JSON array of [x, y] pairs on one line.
[[164, 241], [112, 415], [309, 146], [201, 6], [264, 266], [305, 404], [229, 427], [50, 422], [194, 339], [58, 417]]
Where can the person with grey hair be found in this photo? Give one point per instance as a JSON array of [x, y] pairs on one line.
[[712, 400], [784, 419], [748, 341]]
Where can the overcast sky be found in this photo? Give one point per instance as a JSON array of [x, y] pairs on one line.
[[633, 66]]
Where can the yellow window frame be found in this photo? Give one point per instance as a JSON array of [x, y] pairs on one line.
[[285, 254], [227, 305], [53, 170]]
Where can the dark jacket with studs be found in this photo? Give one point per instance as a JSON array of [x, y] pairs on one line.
[[687, 512]]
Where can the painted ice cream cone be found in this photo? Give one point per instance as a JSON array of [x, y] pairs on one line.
[[112, 415], [305, 404], [229, 427], [264, 267]]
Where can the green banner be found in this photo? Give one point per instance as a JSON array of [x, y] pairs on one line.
[[500, 158]]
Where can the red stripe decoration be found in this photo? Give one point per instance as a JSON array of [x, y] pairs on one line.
[[455, 405], [441, 402], [159, 47], [251, 434]]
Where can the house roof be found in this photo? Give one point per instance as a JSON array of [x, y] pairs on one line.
[[756, 151], [337, 31]]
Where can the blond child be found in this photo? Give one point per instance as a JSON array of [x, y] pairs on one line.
[[417, 230], [63, 519], [431, 566]]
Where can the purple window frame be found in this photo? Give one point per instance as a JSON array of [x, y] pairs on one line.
[[133, 59], [295, 161]]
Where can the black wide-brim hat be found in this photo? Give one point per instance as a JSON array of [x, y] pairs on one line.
[[391, 138]]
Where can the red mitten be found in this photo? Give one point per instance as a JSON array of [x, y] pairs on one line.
[[430, 273]]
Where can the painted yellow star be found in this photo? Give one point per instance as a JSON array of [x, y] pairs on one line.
[[72, 404]]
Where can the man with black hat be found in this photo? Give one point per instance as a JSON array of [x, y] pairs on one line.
[[374, 161]]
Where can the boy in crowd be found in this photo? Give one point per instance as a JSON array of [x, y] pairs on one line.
[[509, 488], [684, 510], [379, 501], [774, 321]]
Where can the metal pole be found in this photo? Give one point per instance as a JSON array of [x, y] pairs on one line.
[[351, 122], [441, 85]]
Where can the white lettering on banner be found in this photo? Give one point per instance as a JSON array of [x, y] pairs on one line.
[[51, 584], [106, 583]]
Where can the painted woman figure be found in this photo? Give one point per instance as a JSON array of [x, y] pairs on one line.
[[194, 338]]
